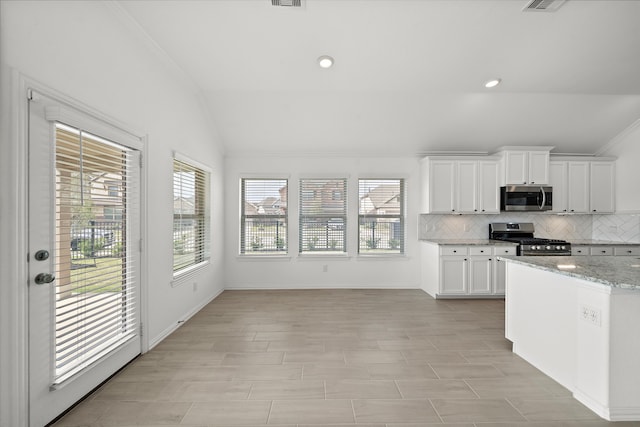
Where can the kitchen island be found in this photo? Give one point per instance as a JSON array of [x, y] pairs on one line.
[[577, 319]]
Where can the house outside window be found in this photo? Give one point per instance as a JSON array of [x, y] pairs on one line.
[[190, 215], [381, 216], [263, 217], [323, 216]]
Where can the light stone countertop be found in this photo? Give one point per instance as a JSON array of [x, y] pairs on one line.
[[591, 242], [468, 242], [618, 272]]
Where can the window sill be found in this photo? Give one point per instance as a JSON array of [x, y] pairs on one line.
[[378, 257], [263, 257], [310, 257], [184, 275]]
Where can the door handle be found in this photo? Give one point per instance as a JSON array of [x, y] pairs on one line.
[[544, 198], [44, 278]]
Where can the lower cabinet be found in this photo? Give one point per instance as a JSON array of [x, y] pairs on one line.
[[464, 271], [605, 250]]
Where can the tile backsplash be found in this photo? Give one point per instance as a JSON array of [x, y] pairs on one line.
[[618, 227], [622, 228]]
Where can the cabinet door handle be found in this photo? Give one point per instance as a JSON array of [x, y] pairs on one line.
[[604, 252]]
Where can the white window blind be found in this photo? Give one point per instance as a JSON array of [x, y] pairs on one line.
[[323, 215], [190, 215], [263, 228], [95, 305], [381, 216]]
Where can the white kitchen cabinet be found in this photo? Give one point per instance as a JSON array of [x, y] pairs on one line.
[[480, 280], [558, 181], [580, 250], [605, 250], [464, 271], [488, 187], [626, 250], [499, 272], [582, 186], [602, 187], [600, 250], [578, 187], [526, 167], [440, 185], [464, 186], [454, 275]]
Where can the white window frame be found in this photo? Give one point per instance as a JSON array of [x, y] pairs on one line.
[[306, 195], [401, 216], [203, 254], [244, 216]]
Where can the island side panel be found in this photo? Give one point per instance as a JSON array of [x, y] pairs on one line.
[[541, 320], [625, 355]]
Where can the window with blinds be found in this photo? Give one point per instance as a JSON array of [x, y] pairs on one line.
[[323, 216], [263, 218], [381, 216], [95, 304], [190, 215]]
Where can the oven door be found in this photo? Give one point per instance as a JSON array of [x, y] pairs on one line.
[[526, 198]]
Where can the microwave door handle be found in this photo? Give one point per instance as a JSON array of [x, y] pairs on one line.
[[544, 198]]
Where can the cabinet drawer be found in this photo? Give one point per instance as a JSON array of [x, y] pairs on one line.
[[626, 250], [453, 250], [580, 250], [481, 250], [601, 250], [505, 250]]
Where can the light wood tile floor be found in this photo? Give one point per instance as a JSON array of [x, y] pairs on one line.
[[383, 358]]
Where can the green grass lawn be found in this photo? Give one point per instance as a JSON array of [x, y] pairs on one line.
[[97, 275]]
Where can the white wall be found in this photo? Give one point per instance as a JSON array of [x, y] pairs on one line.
[[85, 51], [626, 147], [307, 272]]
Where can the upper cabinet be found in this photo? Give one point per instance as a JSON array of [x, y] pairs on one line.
[[526, 166], [464, 186], [583, 186], [602, 187]]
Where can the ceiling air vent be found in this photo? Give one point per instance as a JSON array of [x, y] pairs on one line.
[[541, 5], [289, 3]]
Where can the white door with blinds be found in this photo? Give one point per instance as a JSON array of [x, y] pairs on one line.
[[84, 254]]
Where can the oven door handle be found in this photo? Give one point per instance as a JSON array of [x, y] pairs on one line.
[[544, 198]]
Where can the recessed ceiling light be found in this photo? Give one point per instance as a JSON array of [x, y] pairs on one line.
[[492, 83], [325, 61]]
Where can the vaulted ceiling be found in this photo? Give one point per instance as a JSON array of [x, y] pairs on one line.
[[409, 74]]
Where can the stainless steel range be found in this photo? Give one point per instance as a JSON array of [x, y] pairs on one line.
[[522, 233]]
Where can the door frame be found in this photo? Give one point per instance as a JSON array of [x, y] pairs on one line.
[[14, 296]]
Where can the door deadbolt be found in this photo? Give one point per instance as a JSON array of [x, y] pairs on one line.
[[41, 255], [44, 278]]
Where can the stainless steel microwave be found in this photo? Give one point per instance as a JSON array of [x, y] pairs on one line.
[[530, 198]]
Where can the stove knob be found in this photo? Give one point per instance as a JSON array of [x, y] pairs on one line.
[[564, 248], [547, 247], [558, 248]]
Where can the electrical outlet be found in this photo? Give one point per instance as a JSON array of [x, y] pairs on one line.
[[325, 268], [195, 286], [466, 227], [591, 315]]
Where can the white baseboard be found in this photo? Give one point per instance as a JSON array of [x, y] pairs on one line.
[[280, 286], [158, 339]]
